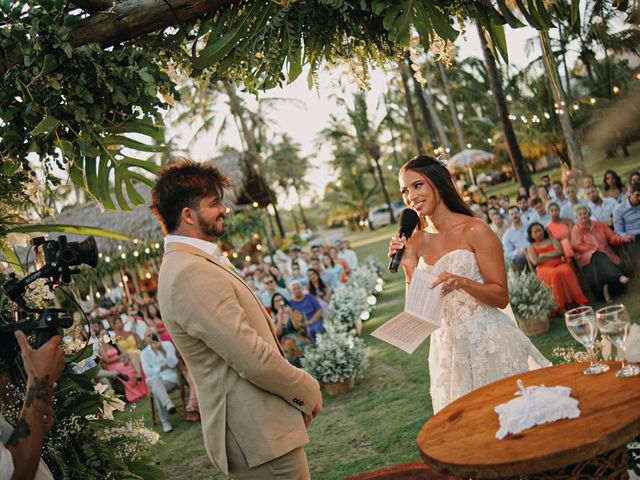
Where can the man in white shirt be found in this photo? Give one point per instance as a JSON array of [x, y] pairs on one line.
[[21, 446], [569, 208], [601, 208], [159, 362], [541, 216], [347, 254], [526, 212], [558, 194], [294, 257]]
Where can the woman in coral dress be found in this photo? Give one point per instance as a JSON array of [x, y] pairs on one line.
[[546, 253], [560, 229]]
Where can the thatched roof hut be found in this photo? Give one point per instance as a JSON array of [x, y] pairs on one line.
[[249, 188]]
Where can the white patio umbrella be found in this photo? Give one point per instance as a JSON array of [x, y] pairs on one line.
[[468, 158]]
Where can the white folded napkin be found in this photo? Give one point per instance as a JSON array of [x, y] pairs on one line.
[[534, 406]]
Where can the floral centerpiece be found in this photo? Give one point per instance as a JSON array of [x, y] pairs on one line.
[[531, 301], [336, 358]]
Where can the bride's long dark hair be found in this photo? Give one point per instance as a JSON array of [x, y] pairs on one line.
[[440, 178]]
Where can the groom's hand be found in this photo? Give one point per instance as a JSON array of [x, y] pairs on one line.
[[314, 413]]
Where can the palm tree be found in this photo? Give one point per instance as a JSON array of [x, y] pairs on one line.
[[288, 168], [405, 72], [351, 193], [515, 155], [575, 155]]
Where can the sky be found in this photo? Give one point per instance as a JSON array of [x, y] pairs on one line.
[[304, 124]]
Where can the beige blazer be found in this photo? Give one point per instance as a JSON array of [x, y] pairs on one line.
[[227, 339]]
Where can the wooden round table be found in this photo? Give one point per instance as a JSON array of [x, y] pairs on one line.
[[460, 439]]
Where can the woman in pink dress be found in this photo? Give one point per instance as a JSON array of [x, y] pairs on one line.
[[560, 229], [113, 360]]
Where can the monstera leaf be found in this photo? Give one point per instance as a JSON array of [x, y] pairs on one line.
[[105, 169]]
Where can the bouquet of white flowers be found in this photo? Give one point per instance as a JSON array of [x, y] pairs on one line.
[[531, 301], [347, 305], [363, 276], [337, 355]]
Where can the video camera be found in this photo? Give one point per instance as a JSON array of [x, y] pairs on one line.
[[55, 259]]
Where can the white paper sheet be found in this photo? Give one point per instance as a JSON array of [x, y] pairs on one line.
[[420, 318]]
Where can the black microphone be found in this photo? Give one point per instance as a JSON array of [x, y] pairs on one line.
[[407, 222]]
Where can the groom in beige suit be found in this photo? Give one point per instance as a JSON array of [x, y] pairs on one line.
[[254, 405]]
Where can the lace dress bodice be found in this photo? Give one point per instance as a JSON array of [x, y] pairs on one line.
[[476, 344]]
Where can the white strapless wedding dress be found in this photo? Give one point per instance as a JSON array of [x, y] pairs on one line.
[[476, 344]]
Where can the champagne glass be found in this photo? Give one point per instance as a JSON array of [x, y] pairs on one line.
[[581, 323], [614, 324]]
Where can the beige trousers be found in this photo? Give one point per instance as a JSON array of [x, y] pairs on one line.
[[290, 466]]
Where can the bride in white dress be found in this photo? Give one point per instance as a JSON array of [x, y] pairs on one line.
[[477, 343]]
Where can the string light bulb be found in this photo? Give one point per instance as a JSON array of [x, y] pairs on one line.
[[592, 101], [615, 89]]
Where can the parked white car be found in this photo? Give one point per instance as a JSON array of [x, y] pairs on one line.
[[379, 216]]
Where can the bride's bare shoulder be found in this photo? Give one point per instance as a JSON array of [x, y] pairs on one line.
[[479, 230]]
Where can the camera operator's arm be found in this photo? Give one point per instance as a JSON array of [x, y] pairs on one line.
[[43, 367]]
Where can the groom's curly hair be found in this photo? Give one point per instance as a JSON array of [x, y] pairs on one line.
[[182, 184]]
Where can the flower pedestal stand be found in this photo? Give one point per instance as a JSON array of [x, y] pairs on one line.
[[533, 327], [340, 388]]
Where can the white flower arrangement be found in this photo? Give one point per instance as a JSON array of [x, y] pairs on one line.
[[529, 297], [363, 276], [132, 438], [348, 303], [38, 294], [337, 355], [375, 265]]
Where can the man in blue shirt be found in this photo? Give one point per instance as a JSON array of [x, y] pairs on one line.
[[159, 362], [515, 241], [626, 220]]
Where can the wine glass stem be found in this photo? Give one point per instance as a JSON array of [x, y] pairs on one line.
[[624, 356], [592, 354]]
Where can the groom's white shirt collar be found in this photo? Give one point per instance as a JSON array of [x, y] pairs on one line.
[[207, 247]]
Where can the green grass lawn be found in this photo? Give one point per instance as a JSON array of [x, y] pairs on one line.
[[376, 423]]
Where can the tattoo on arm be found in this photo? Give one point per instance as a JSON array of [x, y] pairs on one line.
[[40, 390], [22, 431]]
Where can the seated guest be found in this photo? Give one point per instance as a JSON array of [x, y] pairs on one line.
[[587, 182], [347, 254], [308, 305], [545, 253], [275, 273], [154, 320], [558, 194], [114, 360], [626, 221], [497, 224], [160, 363], [270, 289], [591, 241], [319, 289], [533, 193], [568, 210], [333, 253], [328, 276], [541, 215], [601, 208], [527, 213], [633, 178], [129, 343], [503, 203], [329, 264], [560, 229], [295, 256], [291, 329], [296, 274], [543, 194], [515, 240], [613, 187]]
